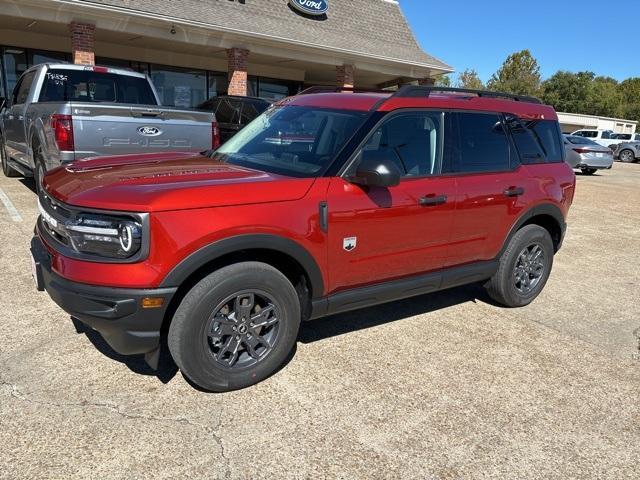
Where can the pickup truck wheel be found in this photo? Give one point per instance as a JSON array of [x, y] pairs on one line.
[[38, 175], [627, 156], [524, 267], [6, 168], [235, 327], [588, 171]]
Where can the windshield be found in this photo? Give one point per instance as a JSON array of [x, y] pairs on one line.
[[291, 140], [580, 141]]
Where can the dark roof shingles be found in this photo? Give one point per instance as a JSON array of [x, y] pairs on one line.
[[369, 27]]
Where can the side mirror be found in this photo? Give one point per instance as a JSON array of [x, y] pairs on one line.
[[378, 168]]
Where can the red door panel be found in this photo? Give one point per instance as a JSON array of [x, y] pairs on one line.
[[487, 205], [394, 235]]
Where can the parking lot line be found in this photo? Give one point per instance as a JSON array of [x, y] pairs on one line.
[[8, 204]]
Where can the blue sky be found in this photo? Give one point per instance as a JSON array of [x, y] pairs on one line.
[[573, 35]]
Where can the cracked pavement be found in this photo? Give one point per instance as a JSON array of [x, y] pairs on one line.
[[443, 386]]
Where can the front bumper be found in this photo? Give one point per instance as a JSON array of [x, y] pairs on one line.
[[116, 313]]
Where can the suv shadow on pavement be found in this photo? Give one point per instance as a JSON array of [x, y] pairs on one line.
[[310, 332], [344, 323]]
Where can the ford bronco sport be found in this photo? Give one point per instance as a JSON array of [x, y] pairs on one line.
[[329, 201]]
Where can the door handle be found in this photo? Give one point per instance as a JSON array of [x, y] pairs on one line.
[[430, 201], [514, 191]]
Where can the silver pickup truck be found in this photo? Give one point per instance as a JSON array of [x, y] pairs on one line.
[[58, 113]]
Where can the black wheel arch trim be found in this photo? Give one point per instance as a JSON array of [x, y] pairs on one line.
[[544, 209], [213, 251]]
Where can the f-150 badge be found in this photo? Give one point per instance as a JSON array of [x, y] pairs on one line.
[[349, 243]]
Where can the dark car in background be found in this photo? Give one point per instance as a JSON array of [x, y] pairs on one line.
[[233, 113]]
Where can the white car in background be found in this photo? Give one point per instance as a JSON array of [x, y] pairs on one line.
[[587, 155], [606, 138]]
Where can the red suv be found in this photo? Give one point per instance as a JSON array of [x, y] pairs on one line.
[[327, 202]]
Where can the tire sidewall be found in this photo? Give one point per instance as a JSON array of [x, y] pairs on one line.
[[525, 237], [192, 319], [630, 159]]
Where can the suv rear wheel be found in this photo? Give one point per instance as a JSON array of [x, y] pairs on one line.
[[588, 171], [235, 327], [524, 267]]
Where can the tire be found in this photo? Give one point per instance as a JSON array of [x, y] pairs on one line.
[[503, 286], [202, 335], [39, 170], [589, 171], [627, 156], [6, 168]]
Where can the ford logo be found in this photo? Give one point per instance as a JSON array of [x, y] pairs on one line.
[[310, 7], [149, 131]]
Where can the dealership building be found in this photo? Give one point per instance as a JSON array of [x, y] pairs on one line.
[[195, 49]]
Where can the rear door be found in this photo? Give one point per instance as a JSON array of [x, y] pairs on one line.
[[491, 186], [378, 234]]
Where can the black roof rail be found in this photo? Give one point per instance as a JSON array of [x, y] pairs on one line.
[[335, 89], [424, 91]]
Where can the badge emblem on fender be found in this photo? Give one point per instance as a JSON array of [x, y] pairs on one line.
[[349, 243]]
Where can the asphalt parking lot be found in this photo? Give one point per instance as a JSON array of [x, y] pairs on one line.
[[442, 386]]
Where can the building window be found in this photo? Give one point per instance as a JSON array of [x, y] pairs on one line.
[[15, 64], [36, 57], [273, 89], [179, 87], [218, 84]]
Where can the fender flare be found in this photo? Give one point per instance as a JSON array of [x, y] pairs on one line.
[[543, 209], [213, 251]]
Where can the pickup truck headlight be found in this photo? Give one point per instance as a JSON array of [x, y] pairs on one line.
[[105, 235]]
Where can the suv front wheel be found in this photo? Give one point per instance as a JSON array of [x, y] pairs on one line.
[[235, 327], [524, 267]]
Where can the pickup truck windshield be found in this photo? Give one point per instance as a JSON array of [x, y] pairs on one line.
[[89, 86], [291, 140]]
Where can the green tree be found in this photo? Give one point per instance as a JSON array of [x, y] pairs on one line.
[[630, 98], [569, 92], [605, 98], [443, 81], [519, 74], [470, 79]]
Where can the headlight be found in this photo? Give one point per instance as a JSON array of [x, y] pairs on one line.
[[105, 236]]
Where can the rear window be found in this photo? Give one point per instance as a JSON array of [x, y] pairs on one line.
[[580, 141], [89, 86]]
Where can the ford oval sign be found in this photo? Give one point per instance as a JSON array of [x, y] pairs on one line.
[[149, 131], [310, 7]]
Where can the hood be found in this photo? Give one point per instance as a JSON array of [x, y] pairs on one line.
[[167, 181]]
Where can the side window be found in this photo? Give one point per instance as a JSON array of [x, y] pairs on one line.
[[590, 134], [526, 144], [21, 91], [547, 134], [607, 135], [481, 144], [414, 139]]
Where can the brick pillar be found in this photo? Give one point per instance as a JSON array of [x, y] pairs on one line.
[[344, 76], [82, 43], [426, 82], [237, 58]]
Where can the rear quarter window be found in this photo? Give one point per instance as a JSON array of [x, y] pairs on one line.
[[99, 87], [547, 133]]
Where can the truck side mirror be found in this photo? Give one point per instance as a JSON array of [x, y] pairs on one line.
[[377, 168]]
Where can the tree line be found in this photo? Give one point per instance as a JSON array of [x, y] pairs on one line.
[[581, 92]]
